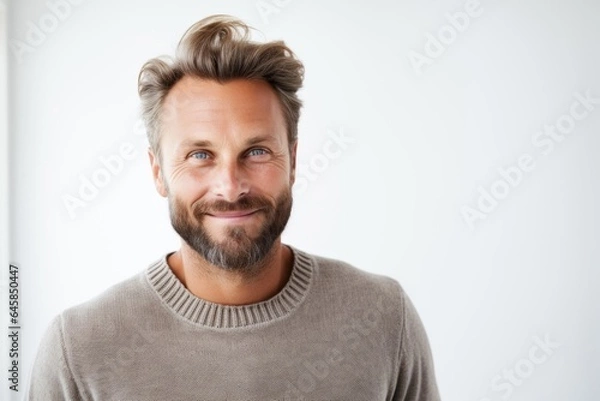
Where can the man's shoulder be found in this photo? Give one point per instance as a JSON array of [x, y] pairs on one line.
[[339, 270], [125, 299], [339, 277]]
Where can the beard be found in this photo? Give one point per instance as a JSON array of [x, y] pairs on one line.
[[238, 251]]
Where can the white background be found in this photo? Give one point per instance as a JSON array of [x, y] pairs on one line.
[[391, 203]]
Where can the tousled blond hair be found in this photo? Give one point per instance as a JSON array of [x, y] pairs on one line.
[[219, 48]]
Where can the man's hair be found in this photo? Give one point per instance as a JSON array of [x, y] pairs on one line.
[[219, 48]]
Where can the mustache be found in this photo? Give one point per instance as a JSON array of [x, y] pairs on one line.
[[245, 203]]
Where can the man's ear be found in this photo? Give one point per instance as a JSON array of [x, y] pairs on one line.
[[293, 152], [157, 174]]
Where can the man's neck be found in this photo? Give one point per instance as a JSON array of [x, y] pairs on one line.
[[215, 284]]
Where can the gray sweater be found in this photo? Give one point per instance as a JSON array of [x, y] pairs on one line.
[[334, 332]]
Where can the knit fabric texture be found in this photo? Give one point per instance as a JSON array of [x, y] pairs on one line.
[[334, 332]]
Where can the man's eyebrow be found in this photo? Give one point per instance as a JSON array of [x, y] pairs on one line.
[[201, 143], [194, 143], [260, 139]]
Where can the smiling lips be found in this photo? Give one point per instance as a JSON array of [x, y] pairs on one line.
[[232, 215]]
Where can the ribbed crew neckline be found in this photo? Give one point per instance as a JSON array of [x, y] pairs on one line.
[[196, 310]]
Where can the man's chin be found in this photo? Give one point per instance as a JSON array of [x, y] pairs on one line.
[[233, 257], [223, 233], [234, 245]]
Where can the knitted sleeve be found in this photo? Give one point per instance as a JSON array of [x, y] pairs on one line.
[[51, 378], [416, 378]]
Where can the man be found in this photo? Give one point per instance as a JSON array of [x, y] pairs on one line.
[[234, 314]]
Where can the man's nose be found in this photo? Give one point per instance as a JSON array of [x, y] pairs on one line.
[[230, 181]]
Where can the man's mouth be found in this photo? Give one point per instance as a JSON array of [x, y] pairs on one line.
[[233, 214]]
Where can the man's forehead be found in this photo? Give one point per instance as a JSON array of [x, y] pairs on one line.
[[182, 99], [199, 92], [201, 100]]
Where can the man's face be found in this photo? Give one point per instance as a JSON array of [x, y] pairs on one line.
[[227, 169]]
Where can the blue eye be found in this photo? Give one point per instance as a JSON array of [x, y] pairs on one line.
[[200, 155], [257, 152]]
